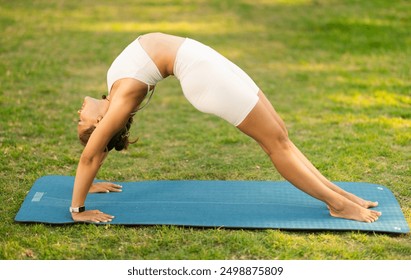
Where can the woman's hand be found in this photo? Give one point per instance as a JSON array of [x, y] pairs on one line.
[[93, 216], [104, 187]]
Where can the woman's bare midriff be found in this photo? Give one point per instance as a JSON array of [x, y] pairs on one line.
[[162, 48]]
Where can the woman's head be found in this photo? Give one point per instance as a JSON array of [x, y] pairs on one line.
[[91, 113]]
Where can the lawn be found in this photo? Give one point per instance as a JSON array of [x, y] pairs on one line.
[[337, 71]]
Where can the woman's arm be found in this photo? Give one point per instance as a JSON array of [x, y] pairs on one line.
[[122, 103], [86, 171]]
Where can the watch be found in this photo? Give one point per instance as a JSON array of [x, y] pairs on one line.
[[77, 209]]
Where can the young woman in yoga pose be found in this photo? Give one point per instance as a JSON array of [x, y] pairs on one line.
[[212, 84]]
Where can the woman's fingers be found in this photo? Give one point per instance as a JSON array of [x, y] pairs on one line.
[[116, 188], [94, 216], [104, 187]]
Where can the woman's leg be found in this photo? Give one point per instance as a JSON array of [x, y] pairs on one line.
[[329, 184], [271, 134]]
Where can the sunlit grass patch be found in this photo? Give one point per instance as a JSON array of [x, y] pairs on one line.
[[374, 99]]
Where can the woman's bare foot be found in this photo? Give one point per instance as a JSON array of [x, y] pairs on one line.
[[357, 200], [362, 202], [352, 211]]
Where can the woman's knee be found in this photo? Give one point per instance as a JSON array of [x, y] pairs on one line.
[[266, 131], [279, 141]]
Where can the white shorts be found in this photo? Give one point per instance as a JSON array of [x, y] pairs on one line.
[[213, 84]]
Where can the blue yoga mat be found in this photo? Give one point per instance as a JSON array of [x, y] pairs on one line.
[[230, 204]]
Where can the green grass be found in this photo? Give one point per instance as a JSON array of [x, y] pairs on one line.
[[337, 71]]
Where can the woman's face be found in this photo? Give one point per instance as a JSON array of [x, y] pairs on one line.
[[90, 114]]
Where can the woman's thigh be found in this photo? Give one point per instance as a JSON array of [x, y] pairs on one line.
[[272, 111], [264, 126]]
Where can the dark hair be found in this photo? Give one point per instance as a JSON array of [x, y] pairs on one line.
[[119, 141]]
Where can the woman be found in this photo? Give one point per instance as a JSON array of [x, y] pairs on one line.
[[213, 85]]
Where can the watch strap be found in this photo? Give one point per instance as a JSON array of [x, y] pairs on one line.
[[77, 209]]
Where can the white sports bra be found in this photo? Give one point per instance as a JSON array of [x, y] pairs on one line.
[[134, 62]]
